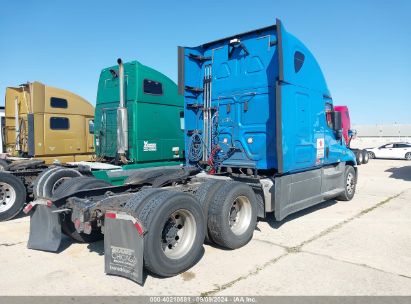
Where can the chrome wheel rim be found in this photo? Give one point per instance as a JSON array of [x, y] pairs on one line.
[[408, 156], [239, 217], [178, 234], [350, 183], [7, 196]]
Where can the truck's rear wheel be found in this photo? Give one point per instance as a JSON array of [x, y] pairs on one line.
[[140, 199], [176, 229], [67, 226], [350, 182], [55, 179], [205, 195], [232, 215], [359, 157], [12, 196], [365, 156]]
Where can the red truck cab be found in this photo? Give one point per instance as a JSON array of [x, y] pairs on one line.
[[348, 134], [345, 121]]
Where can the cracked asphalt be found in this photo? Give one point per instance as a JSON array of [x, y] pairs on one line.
[[361, 247]]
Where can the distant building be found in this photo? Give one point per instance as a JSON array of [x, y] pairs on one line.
[[369, 136]]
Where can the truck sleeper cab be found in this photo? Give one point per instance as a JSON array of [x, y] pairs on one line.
[[52, 123], [261, 136], [258, 104], [146, 124], [43, 125], [48, 123]]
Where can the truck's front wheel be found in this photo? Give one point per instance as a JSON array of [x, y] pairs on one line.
[[350, 183]]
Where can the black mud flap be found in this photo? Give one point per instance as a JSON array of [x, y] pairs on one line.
[[123, 247], [45, 229]]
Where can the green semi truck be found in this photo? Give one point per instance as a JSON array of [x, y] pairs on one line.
[[142, 128], [137, 126]]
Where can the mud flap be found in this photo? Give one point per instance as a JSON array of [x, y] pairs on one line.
[[123, 247], [45, 229]]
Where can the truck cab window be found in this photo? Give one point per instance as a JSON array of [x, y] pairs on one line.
[[328, 114], [59, 123], [152, 87], [298, 61], [56, 102], [91, 126]]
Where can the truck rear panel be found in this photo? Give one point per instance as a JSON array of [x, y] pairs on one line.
[[261, 98]]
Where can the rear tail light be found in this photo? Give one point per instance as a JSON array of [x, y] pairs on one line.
[[28, 208], [77, 223], [87, 228]]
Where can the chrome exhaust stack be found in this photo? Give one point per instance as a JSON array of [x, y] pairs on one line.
[[122, 120]]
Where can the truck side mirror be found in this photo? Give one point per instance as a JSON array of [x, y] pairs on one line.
[[352, 133], [336, 119]]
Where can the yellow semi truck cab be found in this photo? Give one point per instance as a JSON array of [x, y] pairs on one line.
[[48, 123]]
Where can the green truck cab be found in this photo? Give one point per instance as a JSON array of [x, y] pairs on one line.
[[138, 129], [153, 120]]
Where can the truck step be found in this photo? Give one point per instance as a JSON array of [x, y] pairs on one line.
[[333, 193]]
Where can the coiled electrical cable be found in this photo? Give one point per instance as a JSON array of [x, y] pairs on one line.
[[195, 152]]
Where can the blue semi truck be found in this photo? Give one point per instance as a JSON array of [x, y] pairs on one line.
[[261, 136]]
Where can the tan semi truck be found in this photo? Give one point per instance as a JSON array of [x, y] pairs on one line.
[[48, 123], [42, 125]]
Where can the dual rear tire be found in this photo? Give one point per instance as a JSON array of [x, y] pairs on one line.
[[177, 222], [175, 229], [232, 215], [230, 212]]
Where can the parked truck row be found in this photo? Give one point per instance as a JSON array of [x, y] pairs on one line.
[[260, 133], [57, 131]]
